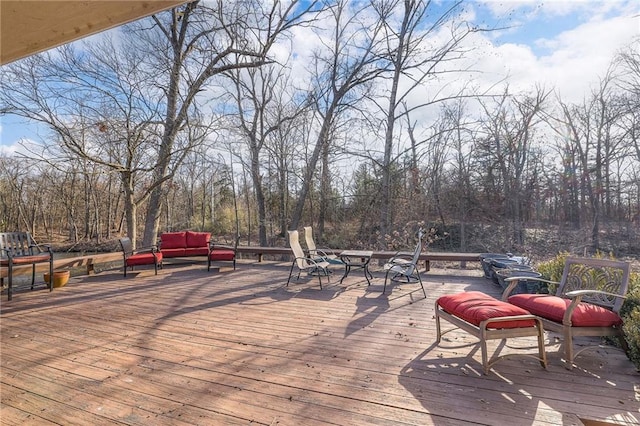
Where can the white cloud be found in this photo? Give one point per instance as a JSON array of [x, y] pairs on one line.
[[571, 61], [581, 56], [551, 8], [10, 150]]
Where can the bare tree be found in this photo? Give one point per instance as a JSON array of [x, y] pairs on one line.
[[510, 128], [592, 131], [202, 42], [341, 75], [628, 62], [133, 104], [264, 105], [412, 62], [459, 138]]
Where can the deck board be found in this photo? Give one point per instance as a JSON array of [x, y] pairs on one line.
[[238, 347]]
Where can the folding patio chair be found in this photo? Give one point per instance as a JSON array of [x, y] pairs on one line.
[[326, 255], [304, 263], [404, 267]]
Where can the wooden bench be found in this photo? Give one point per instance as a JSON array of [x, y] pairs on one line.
[[430, 256], [487, 318], [84, 264], [260, 252], [19, 248]]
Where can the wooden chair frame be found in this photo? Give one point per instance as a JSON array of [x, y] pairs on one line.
[[600, 282]]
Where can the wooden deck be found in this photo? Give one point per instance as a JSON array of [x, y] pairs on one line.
[[238, 347]]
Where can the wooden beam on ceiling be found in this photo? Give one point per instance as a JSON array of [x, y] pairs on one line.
[[28, 27]]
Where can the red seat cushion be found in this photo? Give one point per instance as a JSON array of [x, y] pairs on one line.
[[475, 307], [222, 254], [173, 240], [143, 259], [21, 260], [198, 239], [554, 307]]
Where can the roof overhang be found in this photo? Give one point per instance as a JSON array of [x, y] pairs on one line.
[[28, 27]]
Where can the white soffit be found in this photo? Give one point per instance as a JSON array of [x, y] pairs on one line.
[[28, 27]]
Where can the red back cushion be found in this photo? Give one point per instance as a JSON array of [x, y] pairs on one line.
[[554, 307], [171, 240], [198, 239], [475, 307]]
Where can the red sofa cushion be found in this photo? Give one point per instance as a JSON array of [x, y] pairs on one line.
[[176, 252], [222, 254], [475, 307], [196, 251], [198, 239], [172, 240], [554, 307], [143, 259]]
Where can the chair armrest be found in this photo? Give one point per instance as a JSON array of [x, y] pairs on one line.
[[576, 298], [151, 249], [313, 262], [326, 252], [579, 293], [213, 246], [513, 282], [234, 247], [322, 253], [401, 258], [42, 247]]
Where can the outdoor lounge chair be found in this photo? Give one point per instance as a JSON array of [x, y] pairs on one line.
[[587, 301], [311, 266], [133, 257], [326, 255], [404, 268]]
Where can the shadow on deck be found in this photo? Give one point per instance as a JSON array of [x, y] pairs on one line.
[[238, 347]]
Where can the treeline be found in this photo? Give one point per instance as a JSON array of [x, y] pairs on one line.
[[173, 126]]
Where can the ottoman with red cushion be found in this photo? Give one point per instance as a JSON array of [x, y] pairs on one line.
[[488, 318]]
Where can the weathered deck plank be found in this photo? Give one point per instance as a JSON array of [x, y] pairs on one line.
[[191, 347]]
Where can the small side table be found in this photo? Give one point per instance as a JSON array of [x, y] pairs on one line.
[[358, 259]]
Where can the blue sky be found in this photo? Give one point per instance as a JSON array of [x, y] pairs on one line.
[[565, 44]]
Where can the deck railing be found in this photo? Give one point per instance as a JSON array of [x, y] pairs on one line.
[[90, 261]]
